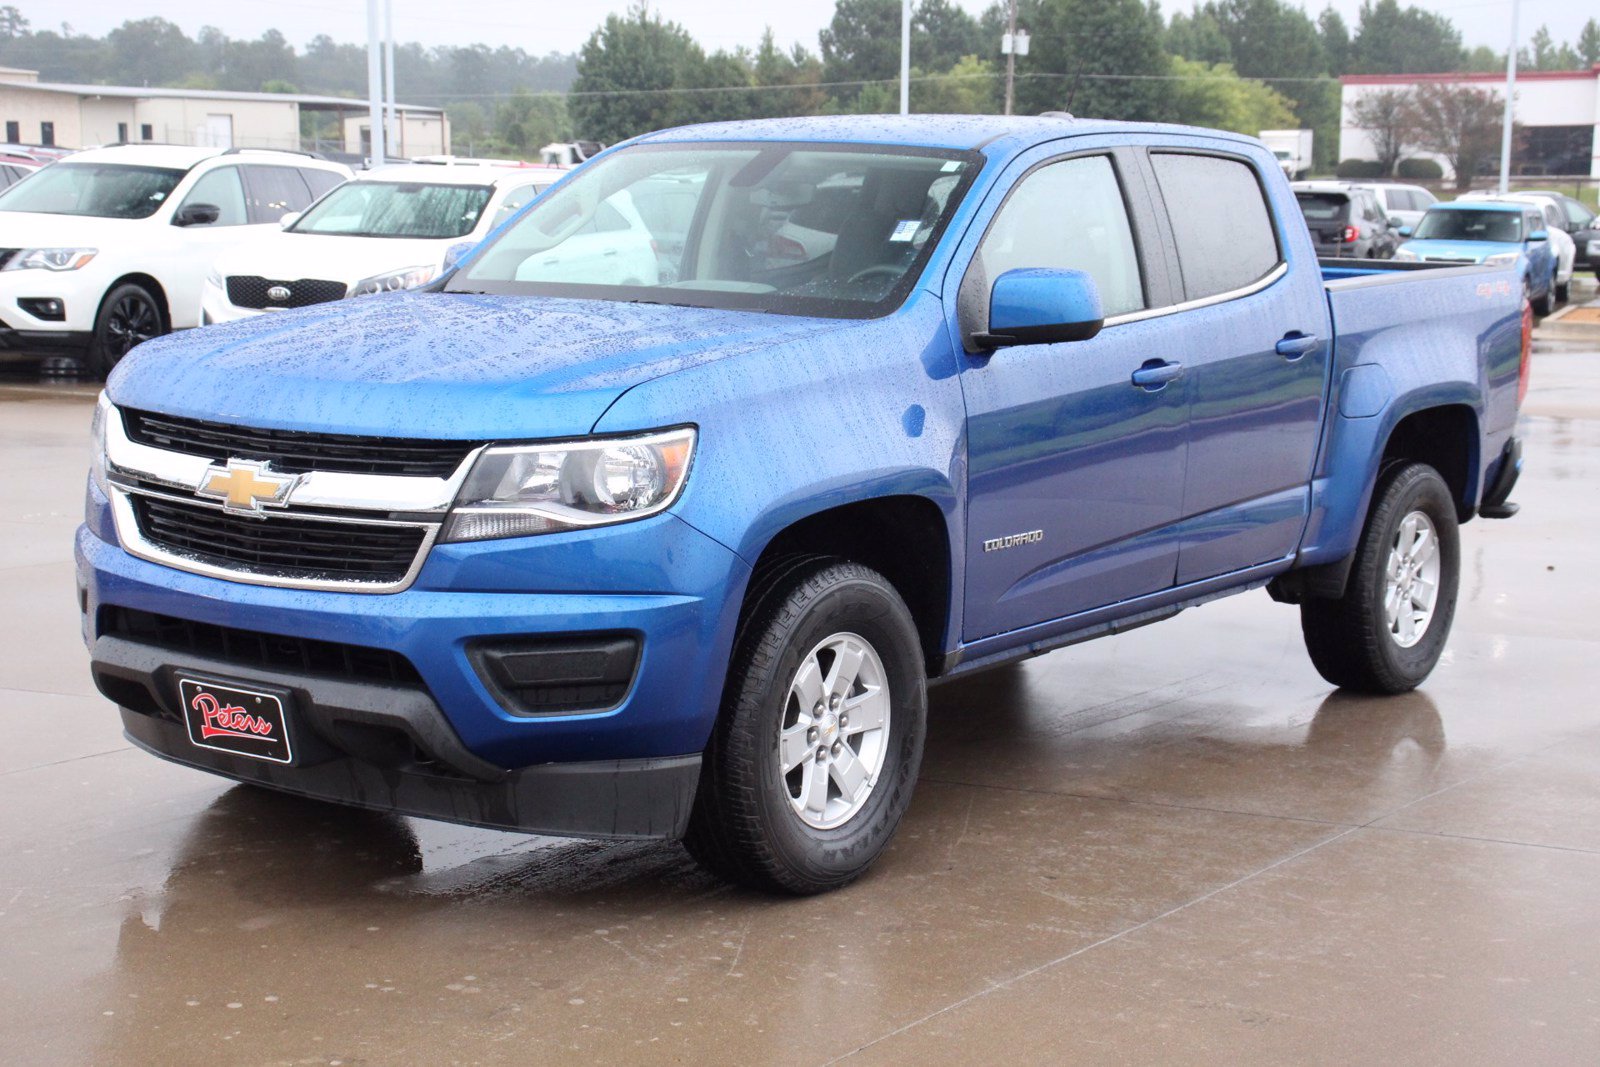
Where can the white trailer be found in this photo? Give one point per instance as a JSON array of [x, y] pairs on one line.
[[1293, 149]]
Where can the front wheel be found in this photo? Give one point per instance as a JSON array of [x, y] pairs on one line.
[[129, 315], [1388, 630], [816, 751]]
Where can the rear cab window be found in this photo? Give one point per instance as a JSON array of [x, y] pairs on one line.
[[1218, 213]]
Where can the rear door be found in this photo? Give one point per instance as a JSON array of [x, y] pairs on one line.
[[1255, 338], [1075, 473]]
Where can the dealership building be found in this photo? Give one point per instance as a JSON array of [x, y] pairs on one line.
[[78, 116], [1558, 112]]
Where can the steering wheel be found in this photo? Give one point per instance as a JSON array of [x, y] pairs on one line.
[[887, 270]]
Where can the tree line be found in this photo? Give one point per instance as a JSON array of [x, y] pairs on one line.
[[1245, 65]]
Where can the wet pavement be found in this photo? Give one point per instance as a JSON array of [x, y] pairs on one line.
[[1178, 845]]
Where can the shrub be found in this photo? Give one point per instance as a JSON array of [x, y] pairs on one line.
[[1420, 169], [1359, 168]]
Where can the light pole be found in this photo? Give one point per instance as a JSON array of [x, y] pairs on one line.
[[1008, 45], [905, 57], [375, 84], [388, 78], [1511, 99]]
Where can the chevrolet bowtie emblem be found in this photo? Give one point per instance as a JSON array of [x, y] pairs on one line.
[[245, 486]]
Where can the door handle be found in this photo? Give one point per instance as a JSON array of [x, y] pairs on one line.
[[1156, 373], [1296, 345]]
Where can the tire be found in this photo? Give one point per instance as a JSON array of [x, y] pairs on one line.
[[1546, 303], [1563, 293], [805, 618], [129, 315], [1351, 640]]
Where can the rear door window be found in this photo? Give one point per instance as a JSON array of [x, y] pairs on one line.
[[1220, 221], [320, 181]]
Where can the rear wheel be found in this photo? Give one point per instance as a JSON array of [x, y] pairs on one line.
[[1546, 303], [129, 315], [1388, 630], [815, 754], [1563, 293]]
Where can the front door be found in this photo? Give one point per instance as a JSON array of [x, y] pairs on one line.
[[1075, 473]]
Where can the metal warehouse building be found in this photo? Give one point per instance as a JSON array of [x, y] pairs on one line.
[[1559, 112], [77, 116]]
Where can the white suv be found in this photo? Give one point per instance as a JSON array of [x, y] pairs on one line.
[[392, 228], [110, 247]]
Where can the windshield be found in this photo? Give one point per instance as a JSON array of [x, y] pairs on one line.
[[797, 229], [396, 209], [1455, 224], [103, 190], [1323, 207]]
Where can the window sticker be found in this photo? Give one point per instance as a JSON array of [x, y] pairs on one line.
[[905, 229]]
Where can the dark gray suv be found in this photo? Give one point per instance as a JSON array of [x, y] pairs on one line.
[[1346, 221]]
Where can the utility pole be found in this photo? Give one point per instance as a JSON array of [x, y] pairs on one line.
[[1511, 100], [375, 85], [905, 57], [1008, 45], [389, 129]]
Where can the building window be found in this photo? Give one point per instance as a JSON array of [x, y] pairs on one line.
[[47, 134], [147, 132], [1555, 150], [13, 132], [122, 132]]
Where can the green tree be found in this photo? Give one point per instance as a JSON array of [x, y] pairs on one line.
[[1104, 58], [1392, 40], [789, 80], [1389, 117], [1269, 38], [1483, 60], [861, 43], [943, 35], [150, 52], [1589, 43], [1462, 124], [1214, 95], [967, 88], [627, 71], [525, 122], [1335, 37], [1545, 54], [1199, 36], [12, 24]]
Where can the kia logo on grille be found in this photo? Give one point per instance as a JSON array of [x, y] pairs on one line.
[[280, 293]]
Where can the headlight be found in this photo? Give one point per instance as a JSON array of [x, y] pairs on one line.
[[394, 281], [51, 258], [97, 435], [1502, 259], [516, 490], [1405, 255]]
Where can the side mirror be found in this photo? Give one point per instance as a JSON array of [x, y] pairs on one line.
[[289, 219], [456, 253], [1037, 305], [1405, 231], [197, 215], [1539, 235]]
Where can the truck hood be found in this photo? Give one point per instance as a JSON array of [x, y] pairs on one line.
[[290, 256], [444, 365], [29, 229], [1476, 251]]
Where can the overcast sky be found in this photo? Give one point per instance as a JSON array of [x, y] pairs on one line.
[[544, 26]]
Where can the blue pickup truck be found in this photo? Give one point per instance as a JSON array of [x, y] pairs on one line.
[[554, 547]]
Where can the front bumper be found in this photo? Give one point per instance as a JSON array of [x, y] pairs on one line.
[[469, 592], [346, 752]]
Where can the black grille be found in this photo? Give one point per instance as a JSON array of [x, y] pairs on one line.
[[329, 659], [294, 452], [250, 291], [295, 548], [6, 254]]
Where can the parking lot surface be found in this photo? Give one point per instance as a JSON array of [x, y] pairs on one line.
[[1178, 845]]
